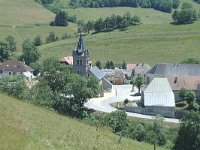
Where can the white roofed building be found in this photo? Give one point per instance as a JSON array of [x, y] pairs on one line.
[[159, 98]]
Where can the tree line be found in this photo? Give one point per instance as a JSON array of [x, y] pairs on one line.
[[186, 15], [110, 23], [162, 5]]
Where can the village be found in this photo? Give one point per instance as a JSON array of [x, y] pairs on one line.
[[148, 90]]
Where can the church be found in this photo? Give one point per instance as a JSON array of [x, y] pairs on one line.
[[81, 61], [82, 66]]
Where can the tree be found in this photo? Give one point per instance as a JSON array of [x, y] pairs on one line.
[[30, 53], [186, 15], [98, 64], [99, 25], [138, 82], [37, 41], [183, 93], [42, 94], [54, 74], [12, 43], [189, 131], [51, 37], [4, 51], [191, 61], [61, 19], [13, 85], [117, 120], [124, 65], [109, 65]]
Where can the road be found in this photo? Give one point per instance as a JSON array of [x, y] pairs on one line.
[[119, 94]]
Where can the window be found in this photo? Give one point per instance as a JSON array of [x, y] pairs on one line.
[[1, 72], [81, 63], [79, 72], [9, 73], [77, 62]]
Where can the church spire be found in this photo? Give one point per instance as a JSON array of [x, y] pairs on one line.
[[80, 46]]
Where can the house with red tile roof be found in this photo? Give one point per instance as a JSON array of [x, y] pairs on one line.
[[190, 83], [67, 60]]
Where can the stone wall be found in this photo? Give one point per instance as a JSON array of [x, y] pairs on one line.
[[152, 110]]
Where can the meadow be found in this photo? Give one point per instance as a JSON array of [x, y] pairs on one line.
[[23, 12], [164, 43], [25, 126]]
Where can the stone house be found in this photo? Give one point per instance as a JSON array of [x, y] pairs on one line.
[[68, 60], [100, 75], [173, 70], [13, 67], [189, 83], [140, 69], [115, 76]]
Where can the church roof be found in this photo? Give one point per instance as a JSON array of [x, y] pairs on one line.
[[80, 49], [97, 73]]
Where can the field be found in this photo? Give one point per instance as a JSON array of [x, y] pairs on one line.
[[148, 16], [18, 12], [24, 126], [145, 43]]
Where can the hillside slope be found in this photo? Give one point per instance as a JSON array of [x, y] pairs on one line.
[[144, 43], [20, 12], [24, 126]]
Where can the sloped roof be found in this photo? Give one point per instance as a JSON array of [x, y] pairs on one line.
[[130, 66], [159, 93], [176, 70], [190, 83], [97, 72], [141, 68], [67, 59], [159, 85], [15, 66]]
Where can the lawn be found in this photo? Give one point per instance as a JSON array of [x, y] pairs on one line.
[[20, 12], [144, 43], [25, 126]]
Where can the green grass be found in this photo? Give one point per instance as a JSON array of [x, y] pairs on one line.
[[25, 126], [145, 43], [30, 31], [20, 12], [148, 16]]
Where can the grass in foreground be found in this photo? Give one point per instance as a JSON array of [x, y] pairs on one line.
[[24, 126]]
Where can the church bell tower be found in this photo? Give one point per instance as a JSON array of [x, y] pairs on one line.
[[81, 62]]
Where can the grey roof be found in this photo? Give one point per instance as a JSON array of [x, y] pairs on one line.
[[80, 49], [97, 72], [158, 85], [176, 70], [141, 68]]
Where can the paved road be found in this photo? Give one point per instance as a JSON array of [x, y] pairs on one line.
[[119, 94]]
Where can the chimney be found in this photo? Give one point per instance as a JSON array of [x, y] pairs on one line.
[[175, 80]]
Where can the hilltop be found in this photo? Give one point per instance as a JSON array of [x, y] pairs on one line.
[[25, 126], [22, 12]]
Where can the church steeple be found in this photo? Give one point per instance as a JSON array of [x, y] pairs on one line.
[[80, 49], [81, 62]]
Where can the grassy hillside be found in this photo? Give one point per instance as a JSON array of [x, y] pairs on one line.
[[145, 43], [30, 31], [24, 126], [18, 12], [148, 16]]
